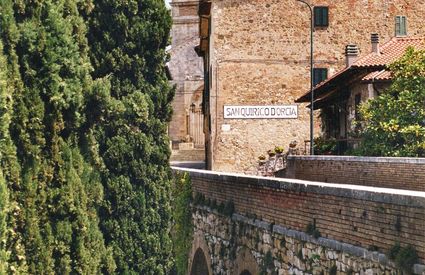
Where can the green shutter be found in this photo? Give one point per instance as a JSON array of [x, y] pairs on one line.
[[324, 74], [397, 25], [400, 25], [316, 17], [325, 20], [403, 26]]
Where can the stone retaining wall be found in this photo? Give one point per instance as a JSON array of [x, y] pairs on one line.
[[289, 251], [398, 173], [355, 215]]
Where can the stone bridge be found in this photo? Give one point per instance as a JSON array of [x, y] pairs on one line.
[[255, 225]]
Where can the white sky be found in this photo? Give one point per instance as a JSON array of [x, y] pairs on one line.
[[167, 3]]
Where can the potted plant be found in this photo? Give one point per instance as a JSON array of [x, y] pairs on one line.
[[271, 153], [279, 150], [261, 159], [324, 146]]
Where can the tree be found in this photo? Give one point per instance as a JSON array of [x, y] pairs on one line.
[[127, 45], [11, 242], [4, 135], [59, 191], [395, 120]]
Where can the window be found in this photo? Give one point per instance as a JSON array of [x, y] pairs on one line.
[[319, 74], [400, 26], [321, 16]]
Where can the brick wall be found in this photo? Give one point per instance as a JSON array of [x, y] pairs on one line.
[[357, 215], [399, 173]]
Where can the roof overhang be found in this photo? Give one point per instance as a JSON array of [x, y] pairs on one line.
[[342, 79]]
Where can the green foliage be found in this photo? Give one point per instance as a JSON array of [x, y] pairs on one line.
[[226, 208], [229, 208], [129, 120], [3, 213], [4, 194], [279, 149], [199, 199], [11, 241], [324, 146], [395, 249], [267, 263], [182, 230], [395, 120], [403, 257], [55, 199], [77, 152], [312, 230]]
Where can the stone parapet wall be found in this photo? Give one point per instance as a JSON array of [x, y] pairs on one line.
[[356, 215], [398, 173], [289, 251]]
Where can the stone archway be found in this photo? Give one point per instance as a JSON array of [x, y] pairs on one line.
[[200, 259], [199, 264], [245, 263]]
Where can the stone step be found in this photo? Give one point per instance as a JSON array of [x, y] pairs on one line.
[[188, 155]]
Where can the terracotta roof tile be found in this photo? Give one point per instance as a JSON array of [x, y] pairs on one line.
[[390, 51], [378, 75]]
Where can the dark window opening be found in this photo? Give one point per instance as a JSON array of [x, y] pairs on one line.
[[319, 75], [321, 16]]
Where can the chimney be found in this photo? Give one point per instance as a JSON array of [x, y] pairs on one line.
[[351, 54], [375, 42]]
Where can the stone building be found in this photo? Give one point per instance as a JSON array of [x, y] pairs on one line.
[[186, 73], [256, 55], [340, 96]]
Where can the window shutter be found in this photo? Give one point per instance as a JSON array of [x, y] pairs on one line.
[[325, 20], [316, 17], [397, 25], [403, 26], [324, 74]]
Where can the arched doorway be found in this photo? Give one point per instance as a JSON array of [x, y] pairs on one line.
[[245, 263], [195, 119], [199, 265]]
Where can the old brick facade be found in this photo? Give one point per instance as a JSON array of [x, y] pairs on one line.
[[256, 52]]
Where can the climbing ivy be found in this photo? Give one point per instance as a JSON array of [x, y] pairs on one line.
[[182, 230], [403, 257]]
